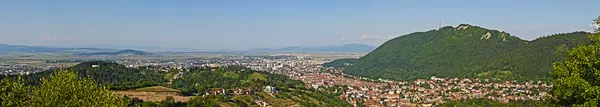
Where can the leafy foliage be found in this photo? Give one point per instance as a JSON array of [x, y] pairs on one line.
[[61, 89], [64, 88], [465, 51], [13, 93], [208, 101], [577, 80]]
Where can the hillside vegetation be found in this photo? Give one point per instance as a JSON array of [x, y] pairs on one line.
[[112, 74], [289, 92], [341, 63], [63, 88], [202, 79], [98, 77], [465, 51]]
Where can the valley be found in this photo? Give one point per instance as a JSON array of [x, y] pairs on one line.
[[224, 79]]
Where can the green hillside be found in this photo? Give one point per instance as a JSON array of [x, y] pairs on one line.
[[202, 79], [115, 75], [464, 51], [341, 63], [289, 92], [535, 59]]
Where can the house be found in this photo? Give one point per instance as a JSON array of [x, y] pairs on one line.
[[270, 89], [262, 103]]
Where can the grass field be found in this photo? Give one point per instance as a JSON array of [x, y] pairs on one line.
[[157, 89], [231, 75], [154, 94], [257, 76], [276, 102]]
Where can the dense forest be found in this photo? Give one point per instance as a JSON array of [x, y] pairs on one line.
[[201, 79], [465, 51], [114, 75], [341, 63]]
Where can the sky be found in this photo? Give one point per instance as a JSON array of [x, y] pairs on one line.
[[247, 24]]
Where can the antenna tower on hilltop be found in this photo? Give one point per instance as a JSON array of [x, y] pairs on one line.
[[440, 25]]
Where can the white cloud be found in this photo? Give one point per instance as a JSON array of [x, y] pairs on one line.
[[51, 38], [344, 38], [47, 38], [15, 38], [365, 36]]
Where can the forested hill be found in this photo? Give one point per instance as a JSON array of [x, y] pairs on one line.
[[341, 63], [199, 81], [115, 75], [465, 51]]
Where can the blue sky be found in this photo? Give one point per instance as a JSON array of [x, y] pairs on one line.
[[245, 24]]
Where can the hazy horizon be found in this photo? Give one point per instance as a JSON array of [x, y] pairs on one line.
[[239, 25]]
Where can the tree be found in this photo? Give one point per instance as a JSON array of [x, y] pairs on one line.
[[13, 93], [577, 80], [200, 101], [64, 88], [168, 102]]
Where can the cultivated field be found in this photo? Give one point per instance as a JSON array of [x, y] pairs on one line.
[[154, 94]]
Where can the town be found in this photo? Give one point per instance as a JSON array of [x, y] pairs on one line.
[[426, 92]]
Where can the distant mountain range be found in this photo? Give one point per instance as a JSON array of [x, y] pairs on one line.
[[153, 48], [350, 48], [5, 48], [105, 50], [121, 52]]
